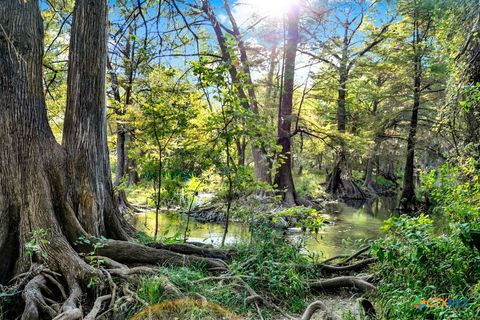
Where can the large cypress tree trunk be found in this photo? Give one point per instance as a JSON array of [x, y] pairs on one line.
[[32, 186], [283, 177], [84, 136]]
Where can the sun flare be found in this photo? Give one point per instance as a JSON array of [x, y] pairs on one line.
[[272, 8]]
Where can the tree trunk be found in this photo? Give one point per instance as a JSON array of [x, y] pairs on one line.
[[121, 157], [271, 94], [241, 144], [368, 182], [341, 182], [341, 100], [283, 177], [408, 199], [259, 154], [84, 136], [32, 188]]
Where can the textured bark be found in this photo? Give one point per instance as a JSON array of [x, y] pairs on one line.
[[123, 251], [283, 177], [341, 99], [32, 186], [84, 136], [192, 249]]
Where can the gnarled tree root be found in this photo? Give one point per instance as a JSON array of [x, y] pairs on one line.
[[342, 282], [192, 249], [35, 300], [352, 267], [120, 262], [129, 252], [318, 305]]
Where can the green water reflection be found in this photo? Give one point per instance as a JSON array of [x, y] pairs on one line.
[[351, 222]]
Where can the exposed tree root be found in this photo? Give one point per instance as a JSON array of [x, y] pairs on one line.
[[193, 249], [356, 254], [123, 251], [256, 297], [342, 282], [41, 287], [34, 299], [97, 306], [334, 258], [352, 267], [367, 308], [317, 305], [308, 203], [122, 262]]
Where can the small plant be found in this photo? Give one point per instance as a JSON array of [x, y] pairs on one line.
[[307, 218], [92, 257], [34, 245]]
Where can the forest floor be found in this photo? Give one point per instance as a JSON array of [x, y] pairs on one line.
[[267, 278]]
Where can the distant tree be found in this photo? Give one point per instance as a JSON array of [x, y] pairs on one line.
[[284, 177], [341, 49]]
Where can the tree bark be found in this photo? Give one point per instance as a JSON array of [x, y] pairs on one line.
[[32, 186], [284, 177], [368, 183], [85, 136]]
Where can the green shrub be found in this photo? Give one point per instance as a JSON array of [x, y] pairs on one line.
[[308, 218], [418, 262], [310, 183], [382, 181], [277, 268]]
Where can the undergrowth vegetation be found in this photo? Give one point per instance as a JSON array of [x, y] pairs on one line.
[[430, 271], [274, 268]]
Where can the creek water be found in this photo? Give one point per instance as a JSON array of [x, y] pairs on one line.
[[349, 222]]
